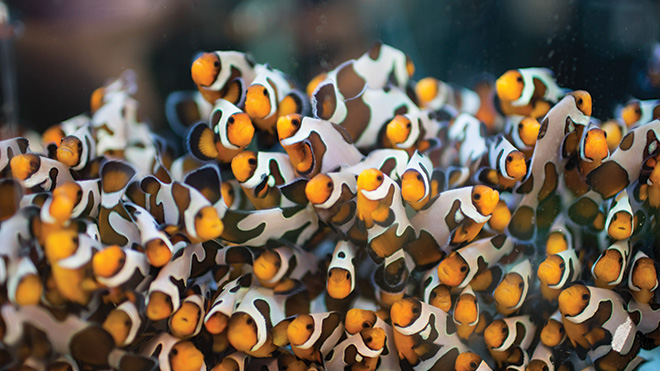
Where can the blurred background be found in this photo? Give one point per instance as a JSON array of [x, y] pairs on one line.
[[63, 50]]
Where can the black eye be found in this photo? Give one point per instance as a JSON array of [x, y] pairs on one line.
[[295, 122], [579, 101], [174, 352], [620, 260], [520, 126], [415, 310], [216, 64], [519, 79], [562, 265], [348, 275], [561, 330], [122, 260], [614, 217], [477, 196], [509, 158], [252, 161], [505, 330], [473, 365], [168, 299], [329, 184], [265, 92], [365, 325], [249, 321], [638, 111], [309, 327], [433, 294], [379, 178], [408, 125], [231, 119], [127, 323], [585, 297], [419, 177], [520, 285], [464, 269]]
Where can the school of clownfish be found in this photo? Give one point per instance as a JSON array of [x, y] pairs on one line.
[[367, 222]]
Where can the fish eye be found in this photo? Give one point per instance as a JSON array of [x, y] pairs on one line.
[[122, 260], [230, 120], [519, 79], [249, 321], [330, 184], [561, 330], [127, 323], [433, 294], [580, 101], [309, 326], [368, 340], [464, 268], [265, 92], [348, 275], [562, 265], [365, 325], [419, 177], [174, 352], [379, 178], [509, 158], [585, 297], [216, 64], [477, 196], [638, 111], [473, 365], [278, 264], [295, 122], [75, 240], [520, 285], [168, 299], [520, 126], [620, 260], [505, 330], [408, 125], [252, 161], [415, 310], [614, 217]]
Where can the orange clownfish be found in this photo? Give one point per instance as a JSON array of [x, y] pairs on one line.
[[341, 270], [466, 313], [557, 271], [39, 172], [434, 94], [593, 149], [637, 113], [527, 91], [511, 292], [259, 174], [609, 268], [174, 354], [509, 338], [223, 74], [643, 278], [313, 336], [333, 197], [414, 131], [228, 132], [77, 149]]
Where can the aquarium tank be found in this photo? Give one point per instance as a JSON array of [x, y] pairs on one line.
[[324, 185]]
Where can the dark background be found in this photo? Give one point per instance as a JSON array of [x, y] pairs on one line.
[[68, 48]]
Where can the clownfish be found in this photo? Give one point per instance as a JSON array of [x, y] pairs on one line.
[[416, 187], [359, 319], [85, 342], [621, 222], [455, 216], [505, 164], [421, 335], [596, 323], [392, 162], [228, 132], [114, 122], [470, 135], [313, 336], [414, 131], [164, 293], [217, 317], [469, 361], [188, 319], [640, 112], [125, 83], [237, 361], [57, 210], [380, 208], [174, 354], [608, 270], [553, 333], [542, 178], [527, 91], [333, 197], [557, 271], [10, 148], [257, 326], [24, 285], [53, 134], [511, 292], [624, 166], [123, 323], [434, 94], [643, 278], [69, 254], [77, 149], [390, 279], [272, 95], [522, 132], [308, 142], [274, 268], [157, 245], [508, 339], [614, 132], [121, 270], [223, 74], [259, 174], [500, 217], [593, 149], [38, 172], [466, 313], [559, 238], [435, 292], [341, 270], [460, 267]]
